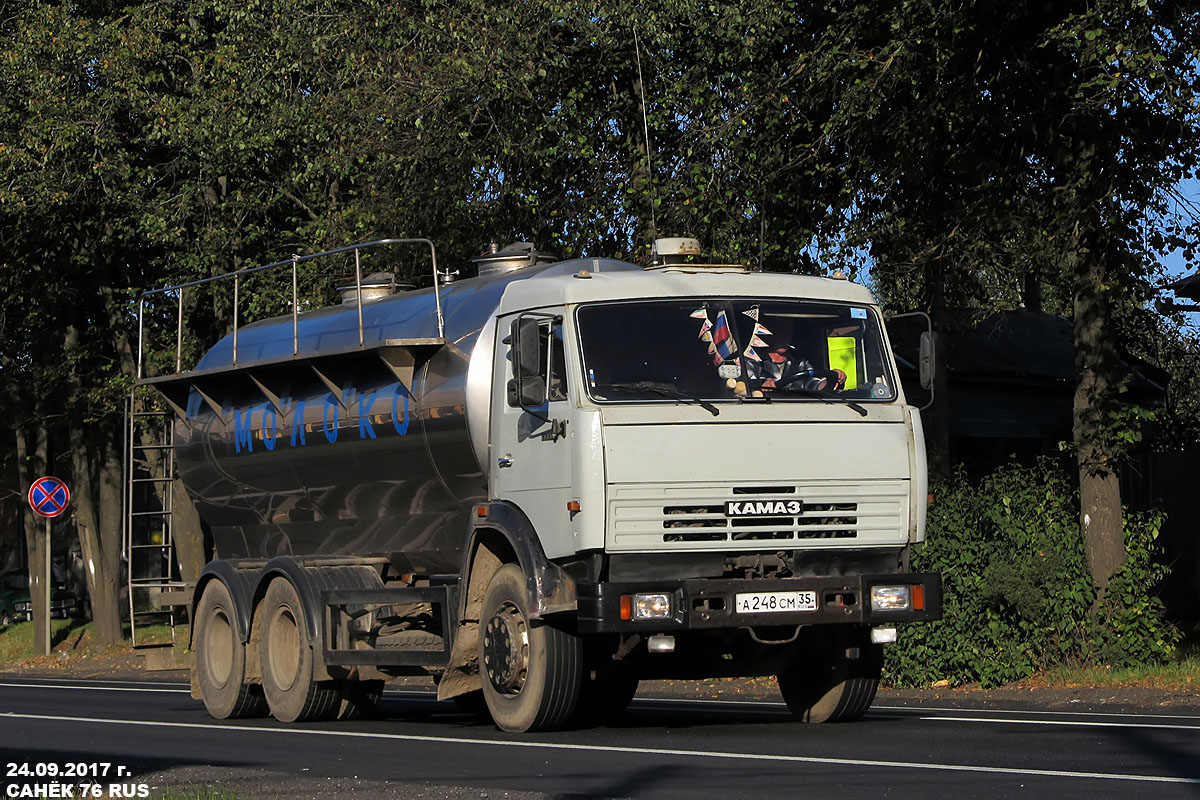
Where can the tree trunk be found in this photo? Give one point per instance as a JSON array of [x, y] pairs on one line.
[[30, 467], [1095, 358], [93, 496], [109, 519], [102, 570], [187, 533]]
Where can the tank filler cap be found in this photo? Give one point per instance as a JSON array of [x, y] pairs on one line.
[[374, 286], [517, 255]]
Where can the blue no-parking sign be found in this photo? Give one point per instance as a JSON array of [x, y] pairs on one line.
[[49, 496]]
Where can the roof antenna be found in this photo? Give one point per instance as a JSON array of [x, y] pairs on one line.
[[637, 50]]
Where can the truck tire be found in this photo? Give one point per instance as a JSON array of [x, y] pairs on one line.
[[286, 660], [837, 684], [220, 663], [530, 669]]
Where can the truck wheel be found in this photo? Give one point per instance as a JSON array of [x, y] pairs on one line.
[[837, 684], [530, 669], [220, 662], [286, 657]]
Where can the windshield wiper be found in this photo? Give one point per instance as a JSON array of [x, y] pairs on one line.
[[823, 394], [663, 390]]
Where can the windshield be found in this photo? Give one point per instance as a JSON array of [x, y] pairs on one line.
[[731, 349]]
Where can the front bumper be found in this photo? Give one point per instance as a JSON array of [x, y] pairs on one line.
[[707, 604]]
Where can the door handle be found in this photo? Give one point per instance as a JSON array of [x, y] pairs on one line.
[[504, 461]]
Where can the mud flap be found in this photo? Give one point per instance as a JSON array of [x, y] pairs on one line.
[[462, 673]]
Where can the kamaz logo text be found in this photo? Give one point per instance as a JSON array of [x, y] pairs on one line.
[[762, 508]]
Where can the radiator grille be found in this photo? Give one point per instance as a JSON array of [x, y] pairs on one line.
[[665, 516]]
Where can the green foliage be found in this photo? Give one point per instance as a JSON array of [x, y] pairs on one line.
[[979, 153], [1018, 594]]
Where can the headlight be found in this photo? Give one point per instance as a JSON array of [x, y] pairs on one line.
[[22, 606], [652, 606], [891, 598]]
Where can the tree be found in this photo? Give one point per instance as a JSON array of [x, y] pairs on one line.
[[1039, 141]]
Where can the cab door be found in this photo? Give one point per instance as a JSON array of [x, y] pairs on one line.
[[530, 439]]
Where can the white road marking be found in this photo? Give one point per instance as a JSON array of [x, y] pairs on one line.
[[968, 710], [627, 751], [1077, 723], [919, 710]]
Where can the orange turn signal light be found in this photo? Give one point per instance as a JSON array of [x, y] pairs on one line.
[[918, 597], [481, 511], [626, 607], [573, 506]]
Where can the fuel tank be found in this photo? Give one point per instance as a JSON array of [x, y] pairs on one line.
[[332, 450]]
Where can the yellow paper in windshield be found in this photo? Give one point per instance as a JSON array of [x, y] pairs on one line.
[[843, 355]]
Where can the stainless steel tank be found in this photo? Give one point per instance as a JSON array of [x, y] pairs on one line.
[[347, 459]]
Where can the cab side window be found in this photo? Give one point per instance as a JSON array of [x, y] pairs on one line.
[[556, 379]]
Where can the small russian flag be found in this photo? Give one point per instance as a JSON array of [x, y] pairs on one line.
[[723, 343]]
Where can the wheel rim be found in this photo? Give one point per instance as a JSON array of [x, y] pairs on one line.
[[218, 648], [283, 648], [506, 650]]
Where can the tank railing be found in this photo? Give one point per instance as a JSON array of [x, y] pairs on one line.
[[294, 262]]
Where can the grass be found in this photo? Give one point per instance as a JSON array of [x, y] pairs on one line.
[[72, 638], [16, 641], [1182, 675]]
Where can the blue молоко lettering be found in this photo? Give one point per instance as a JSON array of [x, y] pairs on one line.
[[262, 421]]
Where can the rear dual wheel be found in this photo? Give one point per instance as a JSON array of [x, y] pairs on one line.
[[286, 661], [220, 658]]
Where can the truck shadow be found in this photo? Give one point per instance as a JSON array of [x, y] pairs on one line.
[[642, 713]]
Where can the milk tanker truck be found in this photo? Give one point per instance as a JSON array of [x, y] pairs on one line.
[[547, 482]]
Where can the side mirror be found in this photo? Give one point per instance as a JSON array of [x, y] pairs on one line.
[[527, 389], [526, 348], [927, 361], [532, 393]]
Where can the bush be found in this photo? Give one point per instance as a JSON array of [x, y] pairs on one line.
[[1018, 593]]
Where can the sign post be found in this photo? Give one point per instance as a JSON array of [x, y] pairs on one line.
[[48, 497]]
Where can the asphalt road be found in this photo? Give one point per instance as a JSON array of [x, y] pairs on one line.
[[658, 749]]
